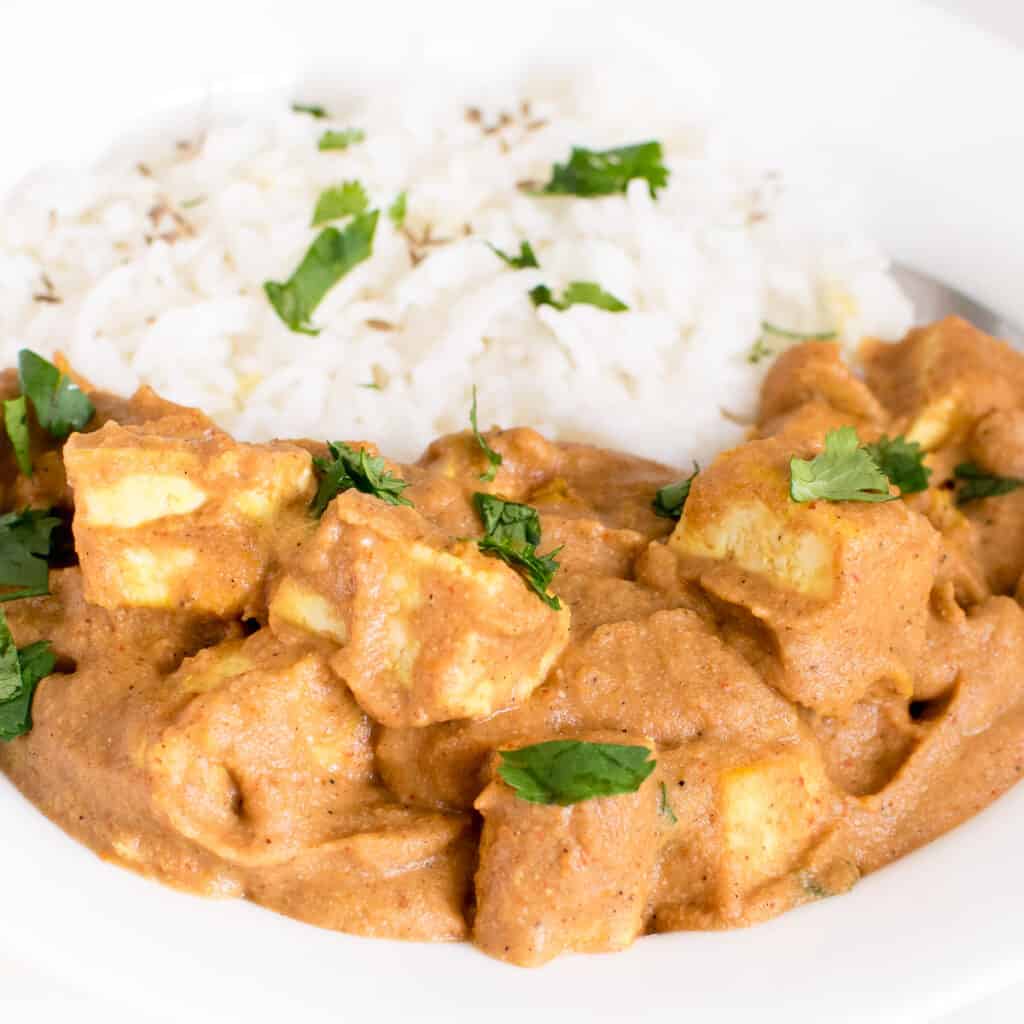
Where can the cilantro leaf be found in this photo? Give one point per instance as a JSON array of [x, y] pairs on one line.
[[844, 471], [16, 422], [758, 351], [523, 261], [512, 533], [309, 108], [20, 673], [975, 483], [664, 807], [37, 661], [345, 200], [10, 669], [25, 543], [354, 467], [671, 499], [60, 404], [902, 461], [396, 211], [331, 256], [340, 140], [493, 457], [508, 522], [565, 772], [762, 350], [782, 332], [579, 293], [592, 172]]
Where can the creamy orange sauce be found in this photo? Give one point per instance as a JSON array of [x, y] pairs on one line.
[[251, 702]]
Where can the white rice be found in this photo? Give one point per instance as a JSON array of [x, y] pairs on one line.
[[725, 246]]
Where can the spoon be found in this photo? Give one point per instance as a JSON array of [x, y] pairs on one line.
[[933, 300]]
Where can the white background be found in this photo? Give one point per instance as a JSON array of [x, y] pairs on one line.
[[29, 995]]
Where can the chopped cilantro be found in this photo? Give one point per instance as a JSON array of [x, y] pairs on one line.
[[60, 404], [590, 172], [345, 200], [331, 256], [671, 499], [10, 671], [902, 461], [20, 673], [844, 471], [396, 211], [309, 108], [758, 351], [664, 807], [579, 293], [340, 140], [493, 457], [508, 522], [25, 542], [16, 422], [565, 772], [512, 533], [354, 467], [975, 483], [782, 332], [523, 261], [188, 204]]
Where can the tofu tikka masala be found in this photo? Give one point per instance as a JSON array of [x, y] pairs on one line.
[[543, 696]]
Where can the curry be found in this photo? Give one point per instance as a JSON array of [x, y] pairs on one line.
[[541, 696]]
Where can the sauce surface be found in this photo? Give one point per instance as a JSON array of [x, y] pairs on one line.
[[249, 701]]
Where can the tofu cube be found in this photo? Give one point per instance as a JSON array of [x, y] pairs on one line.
[[770, 810], [814, 373], [942, 378], [842, 586], [429, 628], [559, 879], [263, 741], [168, 518], [748, 822]]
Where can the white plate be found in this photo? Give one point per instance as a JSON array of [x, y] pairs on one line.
[[916, 109]]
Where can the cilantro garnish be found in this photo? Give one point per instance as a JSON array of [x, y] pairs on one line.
[[758, 351], [664, 807], [20, 673], [354, 467], [567, 771], [579, 293], [782, 332], [396, 211], [975, 483], [493, 457], [345, 200], [309, 108], [844, 471], [512, 533], [590, 172], [340, 139], [331, 256], [671, 499], [902, 461], [523, 261], [16, 422], [25, 542], [60, 404]]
